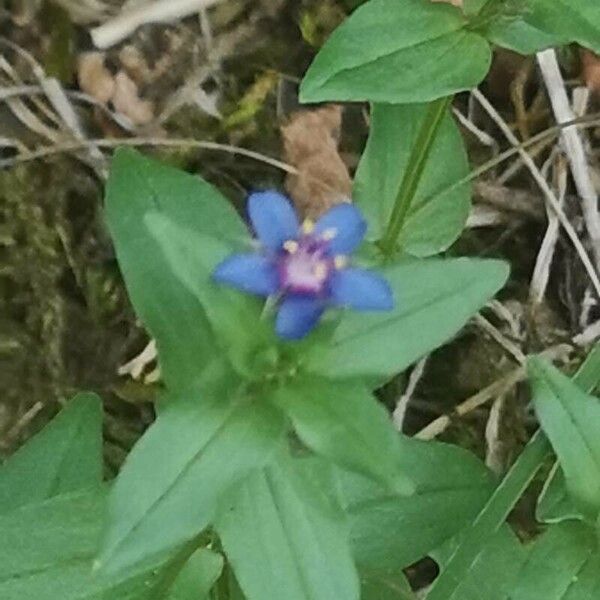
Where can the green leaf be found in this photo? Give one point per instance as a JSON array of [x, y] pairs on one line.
[[173, 480], [494, 571], [588, 375], [391, 531], [385, 585], [518, 35], [367, 59], [490, 520], [563, 564], [47, 551], [235, 317], [172, 313], [65, 456], [571, 420], [434, 299], [554, 503], [430, 226], [198, 576], [287, 538], [573, 20], [343, 422], [473, 7]]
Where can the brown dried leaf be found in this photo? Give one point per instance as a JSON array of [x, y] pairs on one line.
[[126, 100], [310, 143], [590, 63], [94, 78]]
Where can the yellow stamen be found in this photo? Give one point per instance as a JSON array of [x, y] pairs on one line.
[[340, 261], [329, 234], [320, 271], [308, 226], [291, 246]]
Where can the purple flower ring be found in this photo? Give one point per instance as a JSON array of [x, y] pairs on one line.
[[305, 266]]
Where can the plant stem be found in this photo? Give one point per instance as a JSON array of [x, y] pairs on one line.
[[491, 518], [416, 164]]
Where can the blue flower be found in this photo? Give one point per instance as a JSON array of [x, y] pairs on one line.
[[306, 265]]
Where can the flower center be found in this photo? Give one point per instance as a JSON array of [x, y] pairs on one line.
[[305, 267]]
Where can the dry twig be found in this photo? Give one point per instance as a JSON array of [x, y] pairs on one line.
[[573, 146], [543, 184], [495, 389], [161, 11], [543, 263], [402, 404]]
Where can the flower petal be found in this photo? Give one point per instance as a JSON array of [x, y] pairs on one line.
[[361, 290], [250, 273], [348, 225], [273, 218], [297, 316]]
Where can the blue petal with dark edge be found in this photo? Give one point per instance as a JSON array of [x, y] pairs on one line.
[[348, 224], [249, 273], [297, 316], [361, 290], [273, 218]]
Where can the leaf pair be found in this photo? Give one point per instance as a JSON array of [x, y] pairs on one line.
[[440, 51]]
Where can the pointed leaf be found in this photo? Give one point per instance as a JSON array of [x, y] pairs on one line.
[[47, 551], [435, 219], [172, 313], [343, 422], [198, 576], [516, 34], [493, 573], [65, 456], [572, 20], [286, 538], [434, 299], [366, 58], [391, 531], [173, 480], [490, 520], [235, 317], [559, 565], [554, 503], [571, 420]]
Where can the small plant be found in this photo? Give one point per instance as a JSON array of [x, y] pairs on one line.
[[271, 470]]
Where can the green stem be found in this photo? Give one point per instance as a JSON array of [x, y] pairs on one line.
[[412, 176], [491, 518]]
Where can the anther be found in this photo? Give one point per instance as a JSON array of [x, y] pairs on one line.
[[329, 234], [320, 271], [340, 261], [291, 246], [308, 226]]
